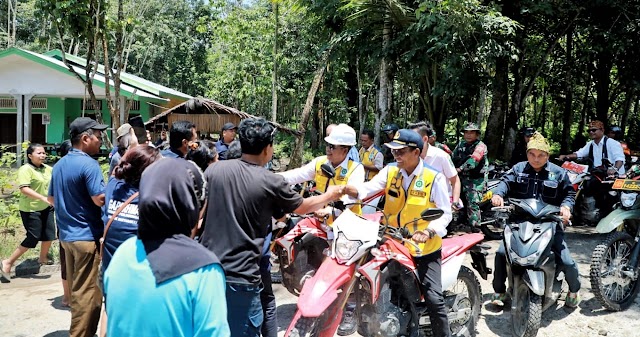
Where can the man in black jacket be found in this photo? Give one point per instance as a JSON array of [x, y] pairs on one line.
[[538, 178]]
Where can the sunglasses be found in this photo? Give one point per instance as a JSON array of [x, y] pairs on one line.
[[333, 147], [400, 152], [592, 130]]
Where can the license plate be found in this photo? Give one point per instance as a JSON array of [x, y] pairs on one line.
[[626, 184]]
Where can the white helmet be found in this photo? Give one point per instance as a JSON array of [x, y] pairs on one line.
[[342, 134]]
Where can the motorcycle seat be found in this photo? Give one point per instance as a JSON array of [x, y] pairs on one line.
[[451, 246]]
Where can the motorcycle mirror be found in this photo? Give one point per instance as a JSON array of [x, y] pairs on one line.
[[328, 170], [431, 214]]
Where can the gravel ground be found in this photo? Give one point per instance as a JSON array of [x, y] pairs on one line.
[[30, 305]]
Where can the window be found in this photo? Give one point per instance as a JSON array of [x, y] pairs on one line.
[[88, 105], [38, 103], [7, 103]]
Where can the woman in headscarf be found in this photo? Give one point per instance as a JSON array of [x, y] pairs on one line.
[[162, 283]]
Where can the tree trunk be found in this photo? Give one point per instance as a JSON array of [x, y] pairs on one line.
[[296, 155], [362, 118], [602, 75], [498, 108], [274, 79], [627, 111], [351, 80], [567, 117], [383, 96], [481, 105]]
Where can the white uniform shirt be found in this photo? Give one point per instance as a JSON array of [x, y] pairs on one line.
[[439, 194], [441, 162], [308, 172], [614, 152], [378, 160]]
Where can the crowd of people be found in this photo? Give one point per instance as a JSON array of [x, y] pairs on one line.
[[176, 241]]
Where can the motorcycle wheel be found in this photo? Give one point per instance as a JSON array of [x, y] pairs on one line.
[[305, 327], [467, 302], [611, 287], [525, 319]]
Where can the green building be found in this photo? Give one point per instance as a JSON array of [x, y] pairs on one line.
[[40, 96]]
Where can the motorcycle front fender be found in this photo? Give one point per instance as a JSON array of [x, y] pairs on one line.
[[320, 291], [535, 281], [615, 219]]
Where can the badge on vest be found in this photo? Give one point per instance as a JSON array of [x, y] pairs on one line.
[[420, 194], [343, 174]]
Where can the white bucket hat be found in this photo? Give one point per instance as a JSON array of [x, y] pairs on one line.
[[342, 134]]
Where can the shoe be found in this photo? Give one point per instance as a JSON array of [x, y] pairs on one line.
[[499, 299], [349, 323], [4, 276], [572, 300]]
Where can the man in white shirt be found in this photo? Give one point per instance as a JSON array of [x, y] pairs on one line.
[[440, 161], [600, 147], [410, 188], [339, 142]]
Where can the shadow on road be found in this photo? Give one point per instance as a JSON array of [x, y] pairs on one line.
[[59, 333], [56, 303], [285, 315]]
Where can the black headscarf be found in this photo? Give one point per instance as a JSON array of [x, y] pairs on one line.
[[172, 191]]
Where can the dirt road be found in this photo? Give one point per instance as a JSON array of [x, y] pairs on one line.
[[31, 306]]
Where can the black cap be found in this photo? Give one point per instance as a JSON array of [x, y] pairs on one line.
[[229, 126], [405, 138], [390, 127], [82, 124], [528, 132]]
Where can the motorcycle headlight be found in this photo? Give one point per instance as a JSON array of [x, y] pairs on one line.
[[345, 248], [628, 199]]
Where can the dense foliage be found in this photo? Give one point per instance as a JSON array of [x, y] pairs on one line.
[[506, 64]]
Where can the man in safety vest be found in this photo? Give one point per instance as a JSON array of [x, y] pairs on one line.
[[339, 142], [370, 155], [410, 188]]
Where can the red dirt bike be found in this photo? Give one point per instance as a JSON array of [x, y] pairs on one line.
[[302, 249], [370, 262]]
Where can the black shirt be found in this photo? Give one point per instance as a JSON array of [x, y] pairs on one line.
[[242, 199], [551, 184]]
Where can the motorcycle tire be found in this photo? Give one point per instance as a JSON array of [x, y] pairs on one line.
[[306, 327], [616, 247], [525, 319], [472, 300], [491, 230]]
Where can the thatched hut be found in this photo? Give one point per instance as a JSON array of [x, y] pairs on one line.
[[208, 115]]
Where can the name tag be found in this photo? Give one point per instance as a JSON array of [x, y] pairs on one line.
[[341, 178], [420, 194]]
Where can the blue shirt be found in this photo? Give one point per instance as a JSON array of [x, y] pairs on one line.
[[125, 225], [75, 179], [171, 153], [193, 304], [354, 155], [222, 148]]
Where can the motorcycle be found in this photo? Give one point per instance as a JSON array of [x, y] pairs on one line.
[[614, 262], [369, 262], [533, 275], [298, 252], [491, 224], [587, 212]]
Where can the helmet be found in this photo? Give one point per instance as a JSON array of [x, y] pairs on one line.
[[528, 132], [342, 134], [616, 129], [471, 127], [391, 127]]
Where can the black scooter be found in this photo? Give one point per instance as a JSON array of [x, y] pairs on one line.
[[531, 264]]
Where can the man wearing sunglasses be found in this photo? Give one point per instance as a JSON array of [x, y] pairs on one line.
[[338, 144], [410, 188], [599, 148]]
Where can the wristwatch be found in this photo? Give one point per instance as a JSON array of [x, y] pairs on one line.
[[432, 233]]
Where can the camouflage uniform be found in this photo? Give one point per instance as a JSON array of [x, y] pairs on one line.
[[443, 147], [471, 158]]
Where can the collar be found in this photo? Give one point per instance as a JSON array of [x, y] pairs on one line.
[[417, 171], [344, 164], [177, 152], [372, 147], [528, 167], [78, 151], [600, 142], [36, 167]]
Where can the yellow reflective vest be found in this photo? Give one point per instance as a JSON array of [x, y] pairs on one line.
[[341, 178], [367, 158], [404, 206]]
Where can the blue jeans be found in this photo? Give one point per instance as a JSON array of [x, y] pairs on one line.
[[244, 310]]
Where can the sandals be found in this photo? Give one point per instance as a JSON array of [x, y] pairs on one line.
[[4, 276]]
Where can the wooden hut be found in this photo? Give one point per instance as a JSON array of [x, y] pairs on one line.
[[208, 115]]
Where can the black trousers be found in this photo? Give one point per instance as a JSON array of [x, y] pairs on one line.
[[559, 248], [430, 274], [268, 299]]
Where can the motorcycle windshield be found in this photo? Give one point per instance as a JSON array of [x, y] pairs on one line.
[[538, 209]]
